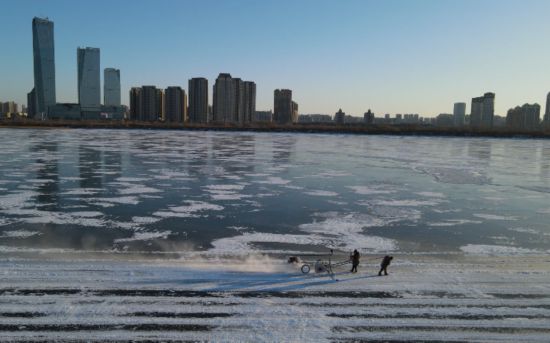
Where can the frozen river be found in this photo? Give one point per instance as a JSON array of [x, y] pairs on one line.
[[178, 236], [83, 191]]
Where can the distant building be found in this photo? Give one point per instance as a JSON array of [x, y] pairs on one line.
[[160, 105], [65, 111], [111, 87], [315, 118], [547, 113], [249, 101], [150, 103], [89, 91], [411, 118], [445, 120], [368, 117], [282, 107], [198, 100], [44, 64], [483, 111], [294, 117], [225, 99], [9, 108], [339, 117], [135, 113], [31, 104], [263, 116], [459, 113], [175, 106], [526, 117]]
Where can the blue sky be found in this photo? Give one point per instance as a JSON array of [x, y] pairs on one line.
[[393, 56]]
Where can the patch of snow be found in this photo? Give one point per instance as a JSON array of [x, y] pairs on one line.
[[494, 217], [482, 249]]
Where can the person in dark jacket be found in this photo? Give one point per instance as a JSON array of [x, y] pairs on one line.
[[385, 263], [354, 261]]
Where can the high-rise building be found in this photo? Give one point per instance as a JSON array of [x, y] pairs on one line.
[[340, 117], [225, 100], [135, 104], [239, 101], [44, 64], [31, 103], [294, 117], [151, 110], [547, 113], [160, 104], [526, 117], [459, 113], [175, 105], [198, 100], [483, 111], [111, 87], [488, 110], [249, 109], [89, 91], [282, 106], [476, 112]]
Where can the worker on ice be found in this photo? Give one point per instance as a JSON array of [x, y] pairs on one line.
[[385, 263], [354, 261]]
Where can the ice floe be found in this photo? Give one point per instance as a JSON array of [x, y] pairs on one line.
[[19, 234], [145, 236], [372, 190], [321, 193], [494, 217]]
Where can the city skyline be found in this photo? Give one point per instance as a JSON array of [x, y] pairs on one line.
[[319, 86]]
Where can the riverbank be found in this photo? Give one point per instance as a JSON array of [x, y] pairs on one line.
[[459, 298], [402, 130]]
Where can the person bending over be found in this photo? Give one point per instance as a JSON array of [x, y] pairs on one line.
[[384, 265]]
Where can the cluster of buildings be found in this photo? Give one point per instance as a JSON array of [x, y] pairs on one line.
[[527, 117], [10, 108], [233, 100], [41, 100]]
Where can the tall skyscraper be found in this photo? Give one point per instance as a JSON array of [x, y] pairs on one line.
[[175, 106], [483, 111], [547, 113], [225, 99], [249, 106], [136, 112], [111, 87], [89, 91], [198, 100], [44, 64], [459, 113], [282, 107]]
